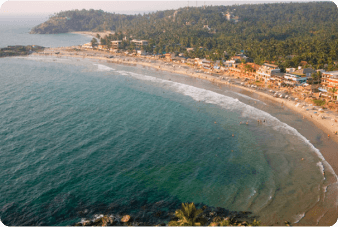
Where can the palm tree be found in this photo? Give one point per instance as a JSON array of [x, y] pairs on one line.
[[256, 223], [333, 91], [225, 222], [94, 42], [188, 215]]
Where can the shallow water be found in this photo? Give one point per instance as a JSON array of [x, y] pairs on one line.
[[87, 136]]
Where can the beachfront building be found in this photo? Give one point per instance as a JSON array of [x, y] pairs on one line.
[[304, 72], [116, 44], [169, 56], [290, 70], [204, 63], [330, 82], [102, 47], [294, 79], [265, 72], [139, 43], [87, 45], [140, 52]]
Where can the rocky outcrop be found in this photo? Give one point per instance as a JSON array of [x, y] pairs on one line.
[[213, 216], [19, 50]]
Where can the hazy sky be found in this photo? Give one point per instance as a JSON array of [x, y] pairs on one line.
[[13, 7]]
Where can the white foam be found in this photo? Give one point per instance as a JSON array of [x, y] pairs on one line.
[[248, 97], [321, 167], [103, 68], [230, 103], [298, 217]]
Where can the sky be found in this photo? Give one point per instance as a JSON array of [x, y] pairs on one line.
[[47, 7]]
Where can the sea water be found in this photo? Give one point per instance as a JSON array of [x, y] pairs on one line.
[[79, 138]]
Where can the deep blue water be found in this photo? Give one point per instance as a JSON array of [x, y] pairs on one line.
[[80, 137]]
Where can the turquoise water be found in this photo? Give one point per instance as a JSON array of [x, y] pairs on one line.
[[87, 137], [80, 138]]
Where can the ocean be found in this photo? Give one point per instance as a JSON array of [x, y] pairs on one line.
[[81, 137]]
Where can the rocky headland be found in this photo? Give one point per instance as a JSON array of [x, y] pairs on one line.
[[19, 50]]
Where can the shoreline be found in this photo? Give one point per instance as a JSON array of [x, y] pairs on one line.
[[324, 125], [92, 34]]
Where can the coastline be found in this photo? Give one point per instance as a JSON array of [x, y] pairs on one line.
[[323, 124], [93, 34]]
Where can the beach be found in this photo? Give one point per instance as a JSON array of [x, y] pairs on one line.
[[94, 34], [327, 124]]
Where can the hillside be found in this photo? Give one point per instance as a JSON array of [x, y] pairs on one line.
[[264, 32]]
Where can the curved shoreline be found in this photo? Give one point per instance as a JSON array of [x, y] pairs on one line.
[[310, 216]]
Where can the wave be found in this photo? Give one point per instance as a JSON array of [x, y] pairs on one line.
[[232, 104], [103, 68], [248, 97], [299, 217]]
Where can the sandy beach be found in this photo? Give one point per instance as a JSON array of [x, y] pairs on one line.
[[325, 121], [93, 34]]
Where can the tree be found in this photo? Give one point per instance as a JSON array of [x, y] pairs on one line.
[[333, 91], [188, 215], [94, 42]]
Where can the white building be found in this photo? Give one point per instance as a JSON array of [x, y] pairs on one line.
[[87, 45], [266, 71], [294, 79]]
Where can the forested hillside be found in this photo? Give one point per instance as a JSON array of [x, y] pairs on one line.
[[284, 33]]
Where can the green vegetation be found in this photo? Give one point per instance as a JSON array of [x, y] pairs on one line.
[[188, 215], [19, 50], [319, 102], [282, 33]]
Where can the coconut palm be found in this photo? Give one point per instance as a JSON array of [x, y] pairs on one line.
[[188, 215], [256, 223], [225, 222]]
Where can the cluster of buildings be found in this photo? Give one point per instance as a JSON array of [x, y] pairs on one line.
[[267, 73], [117, 44]]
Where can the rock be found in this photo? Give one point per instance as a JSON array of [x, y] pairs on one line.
[[217, 219], [87, 223], [125, 218]]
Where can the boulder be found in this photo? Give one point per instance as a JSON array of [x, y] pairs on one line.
[[125, 218]]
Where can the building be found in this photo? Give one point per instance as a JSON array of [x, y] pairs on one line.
[[304, 72], [102, 47], [116, 44], [87, 45], [141, 52], [266, 71], [169, 56], [330, 81], [139, 43], [294, 79], [290, 70]]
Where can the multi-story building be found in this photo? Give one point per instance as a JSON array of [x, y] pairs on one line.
[[266, 71], [139, 43], [329, 80], [116, 44]]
